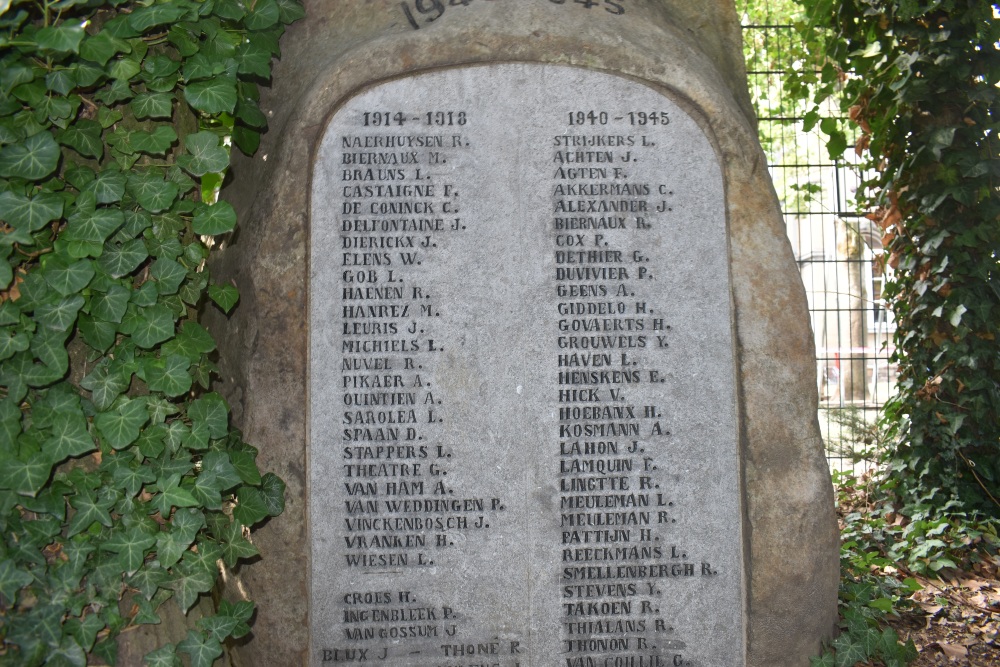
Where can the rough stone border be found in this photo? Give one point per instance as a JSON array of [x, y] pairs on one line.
[[689, 51]]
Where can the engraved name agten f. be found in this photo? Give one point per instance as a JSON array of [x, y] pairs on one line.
[[523, 427]]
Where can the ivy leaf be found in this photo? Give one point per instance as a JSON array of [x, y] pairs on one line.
[[69, 438], [93, 226], [153, 193], [110, 306], [253, 59], [241, 611], [249, 113], [168, 275], [218, 463], [25, 477], [121, 260], [34, 158], [108, 117], [149, 579], [68, 653], [102, 47], [153, 105], [172, 495], [211, 96], [130, 544], [187, 522], [59, 315], [120, 427], [202, 648], [243, 459], [61, 81], [166, 656], [203, 66], [156, 142], [849, 651], [156, 324], [124, 70], [88, 512], [132, 478], [219, 627], [250, 506], [263, 15], [169, 376], [85, 631], [207, 489], [12, 580], [189, 583], [234, 545], [290, 11], [159, 66], [12, 342], [61, 38], [147, 613], [65, 277], [225, 296], [185, 525], [49, 347], [105, 386], [230, 9], [192, 341], [204, 154], [170, 547], [108, 187], [143, 18], [29, 214], [246, 139], [217, 218], [118, 92], [211, 410], [272, 492], [83, 136], [46, 623]]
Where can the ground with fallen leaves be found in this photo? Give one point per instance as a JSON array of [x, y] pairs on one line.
[[954, 620]]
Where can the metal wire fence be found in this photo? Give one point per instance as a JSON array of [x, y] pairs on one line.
[[838, 252]]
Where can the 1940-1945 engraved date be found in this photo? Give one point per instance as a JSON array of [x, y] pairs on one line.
[[419, 12]]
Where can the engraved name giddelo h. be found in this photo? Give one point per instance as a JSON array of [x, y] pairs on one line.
[[523, 444]]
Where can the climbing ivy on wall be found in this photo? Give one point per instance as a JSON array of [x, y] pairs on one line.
[[920, 80], [122, 486]]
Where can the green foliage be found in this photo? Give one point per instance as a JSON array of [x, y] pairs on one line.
[[920, 80], [121, 483], [883, 551]]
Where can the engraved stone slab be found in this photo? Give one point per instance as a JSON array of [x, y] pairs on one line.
[[523, 442]]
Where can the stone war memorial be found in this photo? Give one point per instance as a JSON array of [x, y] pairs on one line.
[[522, 333]]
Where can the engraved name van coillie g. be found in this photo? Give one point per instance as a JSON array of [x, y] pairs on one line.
[[523, 433]]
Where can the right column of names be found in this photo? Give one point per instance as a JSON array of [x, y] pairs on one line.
[[622, 566]]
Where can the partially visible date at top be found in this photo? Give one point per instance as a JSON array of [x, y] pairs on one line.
[[422, 12]]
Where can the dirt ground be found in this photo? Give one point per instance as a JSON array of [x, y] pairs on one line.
[[956, 619]]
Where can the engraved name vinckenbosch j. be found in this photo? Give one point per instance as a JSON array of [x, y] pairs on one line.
[[404, 456]]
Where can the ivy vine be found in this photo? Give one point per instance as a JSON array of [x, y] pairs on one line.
[[122, 484], [921, 81]]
